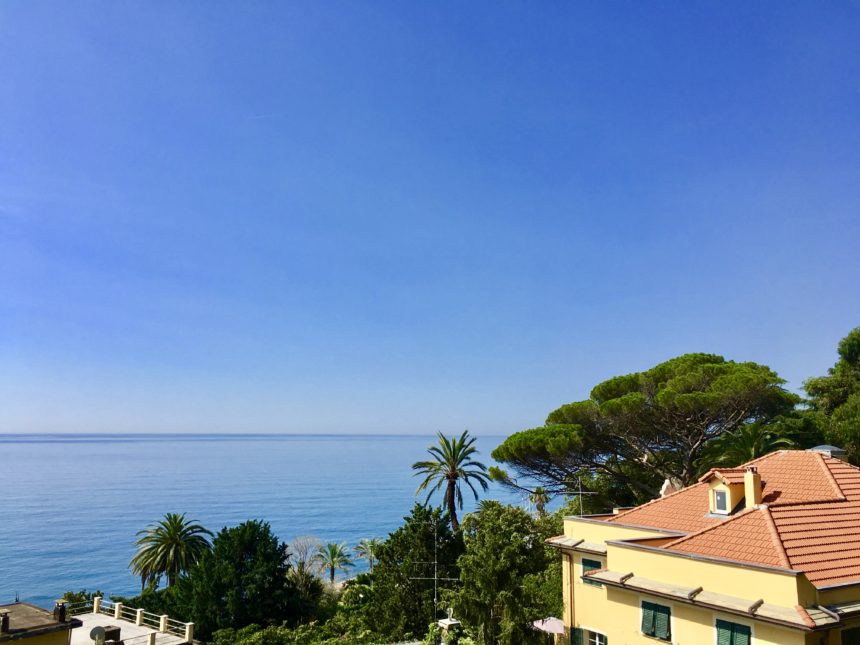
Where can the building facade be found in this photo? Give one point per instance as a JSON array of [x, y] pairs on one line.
[[764, 554]]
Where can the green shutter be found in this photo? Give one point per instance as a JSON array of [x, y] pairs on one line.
[[647, 618], [576, 637], [742, 635], [661, 622], [591, 565], [724, 633]]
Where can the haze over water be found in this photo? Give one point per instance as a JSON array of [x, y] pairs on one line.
[[71, 505]]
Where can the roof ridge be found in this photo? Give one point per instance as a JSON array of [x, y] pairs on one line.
[[775, 537], [744, 466], [654, 501], [684, 538], [830, 477], [808, 502]]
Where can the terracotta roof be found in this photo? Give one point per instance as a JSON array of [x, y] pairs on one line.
[[809, 520], [749, 537], [728, 475], [685, 510]]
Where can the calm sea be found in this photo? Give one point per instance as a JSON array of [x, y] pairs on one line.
[[70, 505]]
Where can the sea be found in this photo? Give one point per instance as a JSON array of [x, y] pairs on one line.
[[71, 505]]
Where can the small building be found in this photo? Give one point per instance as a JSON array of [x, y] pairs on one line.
[[764, 554], [33, 625]]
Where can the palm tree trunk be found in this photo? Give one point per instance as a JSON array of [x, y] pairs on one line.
[[452, 506], [331, 574]]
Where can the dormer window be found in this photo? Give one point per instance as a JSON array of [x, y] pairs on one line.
[[721, 501], [726, 489]]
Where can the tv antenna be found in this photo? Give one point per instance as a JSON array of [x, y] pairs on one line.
[[435, 577]]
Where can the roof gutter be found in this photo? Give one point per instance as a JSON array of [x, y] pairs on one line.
[[736, 612]]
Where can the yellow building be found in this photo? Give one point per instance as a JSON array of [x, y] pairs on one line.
[[764, 554], [33, 625]]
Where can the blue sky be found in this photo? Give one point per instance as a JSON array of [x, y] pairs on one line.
[[410, 217]]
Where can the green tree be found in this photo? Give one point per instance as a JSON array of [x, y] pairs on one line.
[[540, 498], [82, 596], [367, 549], [168, 548], [243, 580], [452, 465], [333, 556], [639, 429], [836, 397], [500, 575], [401, 602], [748, 442]]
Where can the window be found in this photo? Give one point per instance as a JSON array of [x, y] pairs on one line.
[[656, 620], [591, 565], [732, 633], [720, 503], [584, 637]]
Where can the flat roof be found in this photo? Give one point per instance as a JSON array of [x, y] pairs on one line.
[[27, 620]]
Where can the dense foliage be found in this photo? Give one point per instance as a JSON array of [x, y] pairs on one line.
[[640, 429], [508, 578], [400, 603], [241, 581], [836, 397]]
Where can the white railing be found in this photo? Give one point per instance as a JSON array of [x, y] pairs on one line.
[[162, 623]]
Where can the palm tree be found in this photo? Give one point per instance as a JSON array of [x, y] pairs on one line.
[[451, 464], [367, 550], [169, 547], [748, 442], [540, 498], [333, 556]]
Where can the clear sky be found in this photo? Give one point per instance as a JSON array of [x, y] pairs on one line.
[[413, 216]]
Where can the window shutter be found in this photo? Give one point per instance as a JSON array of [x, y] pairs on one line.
[[742, 635], [724, 633], [661, 622], [576, 637], [591, 565], [647, 618]]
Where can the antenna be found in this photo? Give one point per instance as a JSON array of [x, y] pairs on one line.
[[435, 577]]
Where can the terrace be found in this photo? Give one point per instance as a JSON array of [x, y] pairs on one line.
[[136, 626]]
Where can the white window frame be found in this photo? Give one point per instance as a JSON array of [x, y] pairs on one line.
[[588, 631], [598, 635], [717, 509]]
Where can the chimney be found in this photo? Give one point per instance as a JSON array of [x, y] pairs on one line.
[[752, 487], [4, 622]]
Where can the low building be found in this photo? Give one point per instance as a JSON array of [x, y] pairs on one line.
[[33, 625], [764, 554]]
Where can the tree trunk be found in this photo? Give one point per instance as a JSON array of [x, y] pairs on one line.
[[452, 505], [331, 574]]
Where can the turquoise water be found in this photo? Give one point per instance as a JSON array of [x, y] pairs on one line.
[[70, 505]]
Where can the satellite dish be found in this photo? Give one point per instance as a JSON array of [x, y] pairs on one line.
[[98, 634]]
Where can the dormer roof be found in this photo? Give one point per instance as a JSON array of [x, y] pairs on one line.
[[726, 475]]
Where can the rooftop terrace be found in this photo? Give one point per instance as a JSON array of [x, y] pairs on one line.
[[136, 626]]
